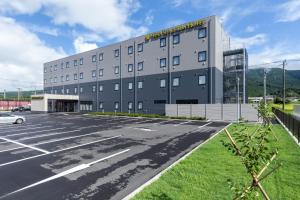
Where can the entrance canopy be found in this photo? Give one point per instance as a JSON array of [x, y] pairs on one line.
[[54, 103]]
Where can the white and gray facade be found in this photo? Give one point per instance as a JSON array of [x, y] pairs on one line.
[[176, 65]]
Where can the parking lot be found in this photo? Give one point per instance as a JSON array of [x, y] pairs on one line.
[[63, 156]]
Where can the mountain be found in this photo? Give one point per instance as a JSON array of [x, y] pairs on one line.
[[274, 82], [24, 95]]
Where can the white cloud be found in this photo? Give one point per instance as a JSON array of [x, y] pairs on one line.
[[277, 52], [107, 18], [174, 23], [258, 39], [81, 46], [177, 3], [22, 55], [250, 29], [289, 11], [43, 29]]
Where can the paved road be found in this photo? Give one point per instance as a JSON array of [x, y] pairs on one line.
[[57, 156]]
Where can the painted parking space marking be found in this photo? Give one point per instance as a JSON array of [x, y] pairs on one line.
[[182, 123], [67, 172], [25, 145], [26, 129], [26, 133], [57, 151], [205, 125], [52, 141]]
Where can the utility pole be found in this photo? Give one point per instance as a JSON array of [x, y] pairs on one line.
[[19, 96], [238, 99], [4, 94], [283, 96], [265, 86]]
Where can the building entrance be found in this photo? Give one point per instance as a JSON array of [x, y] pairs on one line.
[[62, 105]]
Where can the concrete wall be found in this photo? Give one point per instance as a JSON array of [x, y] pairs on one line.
[[227, 112], [38, 105]]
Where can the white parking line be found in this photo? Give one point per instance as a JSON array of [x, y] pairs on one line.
[[60, 150], [182, 123], [67, 172], [26, 129], [205, 125], [25, 145], [32, 132]]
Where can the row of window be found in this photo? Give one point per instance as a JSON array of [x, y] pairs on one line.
[[202, 32], [116, 105], [140, 67], [175, 83]]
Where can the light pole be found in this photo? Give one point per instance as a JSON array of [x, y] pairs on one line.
[[265, 86], [238, 99], [283, 96]]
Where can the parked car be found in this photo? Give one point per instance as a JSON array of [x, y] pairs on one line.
[[10, 118], [21, 109]]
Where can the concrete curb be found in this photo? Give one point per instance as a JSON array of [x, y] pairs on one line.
[[291, 134], [156, 177]]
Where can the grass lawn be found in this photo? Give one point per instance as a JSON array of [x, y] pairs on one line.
[[204, 174]]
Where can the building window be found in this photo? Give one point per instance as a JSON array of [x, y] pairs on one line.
[[140, 66], [62, 65], [62, 91], [100, 72], [202, 33], [55, 79], [55, 67], [117, 53], [94, 88], [101, 56], [75, 90], [140, 47], [45, 70], [175, 82], [67, 64], [116, 86], [140, 84], [202, 80], [81, 61], [75, 77], [94, 73], [81, 89], [45, 81], [163, 42], [81, 75], [51, 80], [176, 39], [130, 50], [130, 86], [75, 63], [163, 83], [67, 91], [130, 67], [50, 68], [55, 91], [176, 60], [101, 105], [117, 69], [62, 79], [140, 105], [100, 88], [94, 58], [67, 77], [163, 62], [130, 105], [116, 105], [202, 56]]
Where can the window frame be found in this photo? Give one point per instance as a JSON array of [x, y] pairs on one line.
[[165, 42], [116, 87], [174, 36], [81, 75], [140, 107], [94, 58], [94, 88], [101, 87], [101, 72], [178, 82], [130, 68], [94, 73], [140, 83], [165, 83], [140, 64], [130, 50], [101, 105], [116, 53], [116, 105], [202, 52], [140, 47], [75, 63], [130, 105], [100, 56], [205, 32], [204, 80], [130, 84], [173, 59], [117, 71], [67, 77], [160, 60], [81, 61], [75, 76]]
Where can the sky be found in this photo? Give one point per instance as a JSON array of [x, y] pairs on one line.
[[33, 32]]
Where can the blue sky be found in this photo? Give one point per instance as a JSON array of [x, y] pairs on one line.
[[36, 31]]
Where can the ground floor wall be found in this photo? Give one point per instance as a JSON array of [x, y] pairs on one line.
[[147, 95]]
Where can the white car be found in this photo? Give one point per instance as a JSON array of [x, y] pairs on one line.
[[10, 118]]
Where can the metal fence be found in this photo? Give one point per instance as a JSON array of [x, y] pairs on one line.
[[226, 112], [290, 121]]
